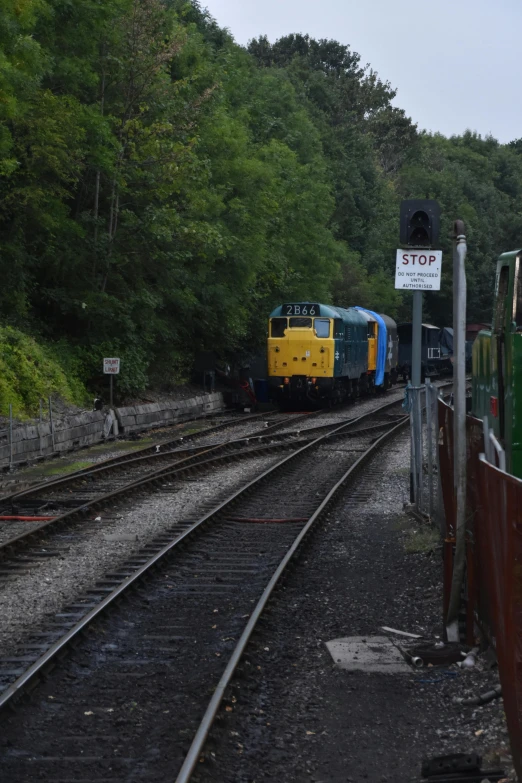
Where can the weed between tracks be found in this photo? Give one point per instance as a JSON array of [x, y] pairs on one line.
[[57, 470], [418, 538]]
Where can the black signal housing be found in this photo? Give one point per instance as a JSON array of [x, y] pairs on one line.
[[419, 222]]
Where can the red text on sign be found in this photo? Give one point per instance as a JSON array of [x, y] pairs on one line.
[[408, 258]]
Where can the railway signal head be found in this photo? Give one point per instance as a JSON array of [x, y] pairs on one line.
[[419, 222]]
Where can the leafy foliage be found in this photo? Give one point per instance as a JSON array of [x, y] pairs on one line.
[[162, 188], [29, 372]]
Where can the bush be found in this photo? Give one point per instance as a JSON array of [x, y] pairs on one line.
[[30, 371]]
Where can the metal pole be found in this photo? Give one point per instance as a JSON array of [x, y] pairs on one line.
[[418, 448], [51, 422], [110, 393], [40, 427], [429, 439], [440, 502], [416, 420], [416, 339], [459, 417], [413, 472], [10, 436]]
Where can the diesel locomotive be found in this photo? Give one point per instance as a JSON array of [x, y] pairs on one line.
[[497, 362], [318, 353]]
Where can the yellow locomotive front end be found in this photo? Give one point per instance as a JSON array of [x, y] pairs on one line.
[[301, 353]]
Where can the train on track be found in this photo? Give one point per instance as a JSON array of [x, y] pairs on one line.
[[436, 351], [319, 353]]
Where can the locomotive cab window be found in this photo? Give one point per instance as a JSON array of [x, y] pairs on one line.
[[278, 327], [300, 323], [322, 327]]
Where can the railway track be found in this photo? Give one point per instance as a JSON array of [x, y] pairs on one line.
[[29, 516], [221, 567], [213, 577]]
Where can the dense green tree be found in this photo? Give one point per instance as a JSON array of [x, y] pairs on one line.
[[161, 188]]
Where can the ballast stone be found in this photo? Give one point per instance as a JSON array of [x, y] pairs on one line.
[[373, 654]]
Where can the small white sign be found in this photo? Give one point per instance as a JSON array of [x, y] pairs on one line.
[[111, 366], [418, 270]]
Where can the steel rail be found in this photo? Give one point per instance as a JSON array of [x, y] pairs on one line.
[[151, 451], [178, 468], [145, 454], [200, 738], [40, 665]]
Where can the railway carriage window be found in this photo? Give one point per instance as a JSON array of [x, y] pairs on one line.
[[302, 323], [322, 327], [278, 327]]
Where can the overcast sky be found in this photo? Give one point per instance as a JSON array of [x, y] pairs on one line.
[[454, 63]]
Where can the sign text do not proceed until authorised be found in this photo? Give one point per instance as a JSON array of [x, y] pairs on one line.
[[418, 270]]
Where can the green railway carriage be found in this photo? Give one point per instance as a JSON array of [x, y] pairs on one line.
[[497, 362], [320, 353]]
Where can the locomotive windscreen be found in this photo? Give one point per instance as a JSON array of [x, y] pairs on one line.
[[278, 327], [300, 323]]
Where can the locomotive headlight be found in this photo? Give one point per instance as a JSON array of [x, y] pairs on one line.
[[286, 381], [314, 381]]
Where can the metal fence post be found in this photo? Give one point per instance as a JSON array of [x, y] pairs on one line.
[[413, 472], [441, 517], [416, 447], [429, 442], [419, 450], [40, 427], [10, 436], [51, 422]]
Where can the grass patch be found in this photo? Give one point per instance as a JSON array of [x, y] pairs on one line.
[[422, 540], [120, 445], [403, 523], [135, 446], [192, 430], [57, 470]]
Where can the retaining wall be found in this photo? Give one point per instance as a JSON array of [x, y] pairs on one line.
[[31, 441], [142, 417]]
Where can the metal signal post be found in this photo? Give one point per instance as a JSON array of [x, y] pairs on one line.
[[418, 271]]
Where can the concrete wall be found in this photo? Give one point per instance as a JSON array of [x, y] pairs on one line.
[[142, 417], [31, 441]]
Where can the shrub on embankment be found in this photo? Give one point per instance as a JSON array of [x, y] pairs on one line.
[[30, 371]]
